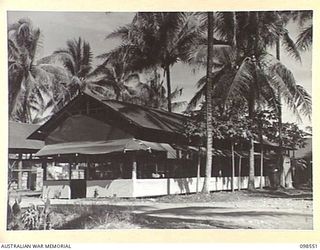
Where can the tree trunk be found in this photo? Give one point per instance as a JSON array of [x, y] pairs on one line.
[[280, 151], [209, 105], [235, 24], [239, 174], [261, 151], [167, 70], [251, 105], [251, 151], [232, 167], [198, 170], [251, 166]]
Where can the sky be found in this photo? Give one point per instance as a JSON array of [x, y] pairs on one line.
[[58, 27]]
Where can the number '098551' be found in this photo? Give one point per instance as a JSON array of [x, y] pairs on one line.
[[308, 246]]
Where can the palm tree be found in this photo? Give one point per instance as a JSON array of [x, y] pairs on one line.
[[77, 59], [304, 19], [262, 76], [208, 171], [159, 39], [156, 93], [25, 73], [253, 74]]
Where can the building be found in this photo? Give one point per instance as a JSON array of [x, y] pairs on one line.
[[108, 148], [25, 170]]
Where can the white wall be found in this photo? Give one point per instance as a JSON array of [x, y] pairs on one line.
[[144, 187], [56, 189], [154, 187], [110, 188]]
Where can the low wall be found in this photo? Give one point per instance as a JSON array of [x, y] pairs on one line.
[[110, 188], [155, 187], [56, 189], [144, 187]]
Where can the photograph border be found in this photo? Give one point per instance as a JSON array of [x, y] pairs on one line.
[[159, 235]]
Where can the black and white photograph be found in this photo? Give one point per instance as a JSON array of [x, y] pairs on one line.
[[159, 120]]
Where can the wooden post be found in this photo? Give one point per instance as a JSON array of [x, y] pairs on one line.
[[20, 172], [232, 167], [70, 170], [134, 168], [44, 167], [198, 170], [239, 178], [261, 168]]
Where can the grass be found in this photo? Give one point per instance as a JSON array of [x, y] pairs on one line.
[[91, 217]]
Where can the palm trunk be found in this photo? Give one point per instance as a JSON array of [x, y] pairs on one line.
[[167, 70], [209, 105], [239, 174], [251, 105], [280, 151], [235, 24], [198, 169], [232, 166], [251, 166], [251, 150], [261, 153]]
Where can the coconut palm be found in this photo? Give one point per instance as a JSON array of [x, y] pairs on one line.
[[77, 59], [260, 77], [159, 39], [251, 73], [304, 19], [25, 73]]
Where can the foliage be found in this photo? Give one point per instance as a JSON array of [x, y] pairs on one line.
[[32, 218], [231, 124], [304, 19], [156, 39], [30, 79]]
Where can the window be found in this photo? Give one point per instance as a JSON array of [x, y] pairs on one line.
[[109, 170], [57, 171], [78, 171]]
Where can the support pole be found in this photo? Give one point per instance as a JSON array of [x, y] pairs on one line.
[[239, 178], [232, 167], [198, 170], [44, 168], [20, 172], [134, 168], [261, 168]]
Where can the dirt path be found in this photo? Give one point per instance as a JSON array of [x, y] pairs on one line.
[[291, 209]]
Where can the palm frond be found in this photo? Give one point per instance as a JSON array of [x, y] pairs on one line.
[[242, 80], [290, 46], [195, 100], [304, 40]]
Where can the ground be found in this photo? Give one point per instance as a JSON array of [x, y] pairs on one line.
[[261, 209]]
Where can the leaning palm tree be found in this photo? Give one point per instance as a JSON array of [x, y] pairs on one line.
[[25, 73]]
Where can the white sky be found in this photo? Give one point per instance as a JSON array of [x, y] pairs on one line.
[[58, 27]]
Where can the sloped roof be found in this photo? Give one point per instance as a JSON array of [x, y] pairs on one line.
[[18, 133], [105, 147], [148, 117], [159, 122]]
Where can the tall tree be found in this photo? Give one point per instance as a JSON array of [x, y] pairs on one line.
[[255, 74], [77, 59], [209, 105], [26, 74], [160, 39]]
